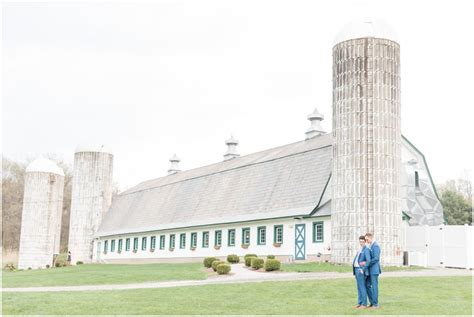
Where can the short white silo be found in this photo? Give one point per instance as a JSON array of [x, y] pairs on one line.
[[91, 198], [41, 216]]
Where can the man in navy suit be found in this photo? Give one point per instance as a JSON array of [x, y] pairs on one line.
[[372, 281], [361, 272]]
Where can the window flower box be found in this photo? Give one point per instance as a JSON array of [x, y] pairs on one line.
[[171, 249], [217, 247], [119, 251], [193, 248], [134, 250], [245, 246], [105, 252], [276, 244], [152, 250]]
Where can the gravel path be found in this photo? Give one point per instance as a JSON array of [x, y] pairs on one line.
[[240, 274]]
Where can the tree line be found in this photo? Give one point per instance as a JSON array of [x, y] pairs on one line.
[[456, 198]]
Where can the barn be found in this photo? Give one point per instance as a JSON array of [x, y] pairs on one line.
[[276, 201], [302, 201]]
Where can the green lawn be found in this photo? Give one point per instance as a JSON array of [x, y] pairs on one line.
[[329, 267], [90, 274], [400, 296]]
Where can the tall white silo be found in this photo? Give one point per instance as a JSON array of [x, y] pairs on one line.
[[367, 141], [91, 198], [41, 215]]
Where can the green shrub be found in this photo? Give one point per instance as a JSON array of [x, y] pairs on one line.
[[223, 268], [248, 260], [233, 258], [216, 263], [79, 262], [250, 255], [208, 261], [272, 265], [271, 257], [257, 263], [47, 266]]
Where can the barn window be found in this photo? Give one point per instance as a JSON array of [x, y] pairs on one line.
[[127, 244], [193, 239], [182, 240], [231, 237], [278, 234], [245, 236], [172, 241], [218, 238], [152, 243], [318, 231], [106, 246], [162, 242], [112, 246], [261, 235], [135, 244], [143, 243], [119, 247], [205, 239], [417, 180]]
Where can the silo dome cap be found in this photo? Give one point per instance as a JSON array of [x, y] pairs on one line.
[[100, 148], [43, 165], [369, 27]]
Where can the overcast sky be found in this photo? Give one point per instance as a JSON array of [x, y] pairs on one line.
[[153, 79]]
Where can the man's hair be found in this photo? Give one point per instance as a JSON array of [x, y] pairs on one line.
[[362, 238], [368, 234]]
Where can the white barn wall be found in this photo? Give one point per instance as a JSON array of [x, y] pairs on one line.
[[285, 252], [420, 201]]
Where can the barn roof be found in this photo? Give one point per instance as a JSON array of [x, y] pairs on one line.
[[284, 181]]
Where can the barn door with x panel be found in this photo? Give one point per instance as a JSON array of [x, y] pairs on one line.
[[300, 248]]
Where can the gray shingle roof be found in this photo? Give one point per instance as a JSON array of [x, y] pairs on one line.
[[280, 182]]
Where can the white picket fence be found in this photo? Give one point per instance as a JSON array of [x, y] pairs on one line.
[[440, 246]]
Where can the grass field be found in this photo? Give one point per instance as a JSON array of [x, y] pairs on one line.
[[400, 296], [90, 274], [98, 274], [329, 267]]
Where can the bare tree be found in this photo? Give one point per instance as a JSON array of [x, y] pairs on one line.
[[13, 178], [462, 185]]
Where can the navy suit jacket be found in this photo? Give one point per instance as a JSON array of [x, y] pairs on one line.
[[363, 257], [374, 263]]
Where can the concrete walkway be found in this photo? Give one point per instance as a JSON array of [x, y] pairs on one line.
[[240, 274]]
